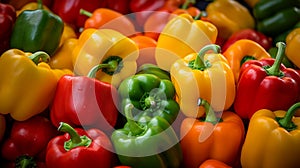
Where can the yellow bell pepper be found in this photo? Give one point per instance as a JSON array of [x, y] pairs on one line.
[[181, 36], [106, 51], [206, 76], [68, 32], [229, 16], [26, 86], [31, 6], [62, 59], [292, 46], [272, 140]]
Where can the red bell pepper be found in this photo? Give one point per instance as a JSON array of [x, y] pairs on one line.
[[68, 10], [84, 101], [251, 34], [7, 20], [119, 6], [266, 83], [79, 148], [28, 141]]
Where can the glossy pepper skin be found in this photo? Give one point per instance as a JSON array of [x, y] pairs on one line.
[[7, 20], [68, 10], [146, 144], [37, 30], [268, 84], [105, 18], [29, 138], [229, 16], [276, 17], [84, 101], [115, 54], [272, 139], [79, 148], [213, 137], [241, 51], [26, 87], [292, 44], [203, 75], [150, 95], [148, 68], [187, 34]]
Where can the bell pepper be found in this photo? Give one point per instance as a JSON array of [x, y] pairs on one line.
[[28, 138], [146, 144], [2, 127], [31, 6], [79, 148], [84, 101], [203, 75], [212, 137], [272, 139], [119, 6], [104, 18], [275, 17], [187, 34], [264, 81], [150, 95], [241, 51], [68, 32], [7, 20], [34, 30], [148, 68], [229, 16], [292, 43], [251, 34], [116, 54], [63, 56], [69, 10], [26, 87], [213, 163]]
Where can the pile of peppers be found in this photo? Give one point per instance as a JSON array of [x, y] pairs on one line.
[[149, 83]]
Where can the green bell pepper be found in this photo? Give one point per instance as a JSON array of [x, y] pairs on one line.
[[155, 70], [37, 30], [276, 16], [147, 144], [150, 95]]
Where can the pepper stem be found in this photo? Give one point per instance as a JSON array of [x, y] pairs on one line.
[[85, 12], [274, 70], [25, 161], [187, 3], [95, 69], [39, 56], [40, 4], [286, 122], [210, 114], [199, 61], [133, 126], [75, 139]]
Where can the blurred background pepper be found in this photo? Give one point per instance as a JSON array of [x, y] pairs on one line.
[[7, 20]]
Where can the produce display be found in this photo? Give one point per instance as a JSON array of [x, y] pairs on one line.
[[149, 83]]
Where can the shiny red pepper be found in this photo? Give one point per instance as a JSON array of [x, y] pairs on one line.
[[68, 10], [251, 34], [79, 148], [28, 141], [84, 101], [266, 84], [7, 20]]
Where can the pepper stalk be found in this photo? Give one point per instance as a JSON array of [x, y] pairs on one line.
[[199, 62], [286, 122], [275, 68]]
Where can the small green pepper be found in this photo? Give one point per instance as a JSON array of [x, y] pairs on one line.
[[147, 144], [150, 95], [37, 30]]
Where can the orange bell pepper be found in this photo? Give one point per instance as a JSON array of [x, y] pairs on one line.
[[105, 18], [213, 163], [219, 138], [241, 51]]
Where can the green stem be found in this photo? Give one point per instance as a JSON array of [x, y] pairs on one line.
[[135, 129], [274, 70], [187, 3], [40, 4], [25, 161], [85, 12], [150, 102], [199, 61], [39, 56], [210, 114], [95, 69], [286, 122], [75, 139]]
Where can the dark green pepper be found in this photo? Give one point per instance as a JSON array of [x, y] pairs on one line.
[[150, 95], [37, 30], [155, 70], [147, 144]]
